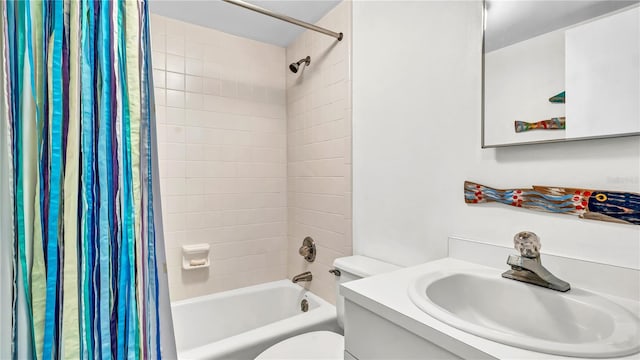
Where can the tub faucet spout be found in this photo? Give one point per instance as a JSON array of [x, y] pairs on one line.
[[305, 276]]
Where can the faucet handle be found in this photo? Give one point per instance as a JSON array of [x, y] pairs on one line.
[[308, 249], [527, 243]]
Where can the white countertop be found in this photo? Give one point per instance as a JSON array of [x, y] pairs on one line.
[[386, 295]]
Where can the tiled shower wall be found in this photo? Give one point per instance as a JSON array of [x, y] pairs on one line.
[[221, 111], [319, 150]]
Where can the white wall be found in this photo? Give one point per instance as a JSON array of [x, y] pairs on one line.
[[221, 110], [416, 138], [319, 150]]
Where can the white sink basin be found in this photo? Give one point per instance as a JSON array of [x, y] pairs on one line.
[[575, 323]]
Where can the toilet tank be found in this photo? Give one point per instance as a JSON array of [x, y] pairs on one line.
[[354, 268]]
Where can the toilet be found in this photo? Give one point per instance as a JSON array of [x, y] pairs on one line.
[[326, 344]]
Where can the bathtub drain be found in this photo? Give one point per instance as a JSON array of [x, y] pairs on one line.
[[304, 305]]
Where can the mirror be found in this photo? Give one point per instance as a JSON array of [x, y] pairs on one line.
[[560, 70]]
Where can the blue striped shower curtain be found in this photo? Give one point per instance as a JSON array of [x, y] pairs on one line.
[[78, 266]]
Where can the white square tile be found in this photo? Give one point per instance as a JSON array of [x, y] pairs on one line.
[[194, 84], [158, 60], [159, 78], [175, 81], [193, 66], [196, 118], [160, 96], [175, 63], [157, 25], [211, 86], [211, 69], [196, 186], [174, 204], [228, 88], [173, 169], [196, 152], [162, 133], [175, 44], [175, 134], [161, 114], [244, 91], [212, 51], [175, 98], [175, 27], [174, 222], [176, 152], [194, 50], [196, 169], [175, 116], [193, 101], [196, 135], [158, 43]]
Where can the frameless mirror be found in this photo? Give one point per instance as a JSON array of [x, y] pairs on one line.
[[560, 70]]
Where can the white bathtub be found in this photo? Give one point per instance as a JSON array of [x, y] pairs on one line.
[[241, 323]]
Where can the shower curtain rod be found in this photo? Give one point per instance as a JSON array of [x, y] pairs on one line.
[[286, 18]]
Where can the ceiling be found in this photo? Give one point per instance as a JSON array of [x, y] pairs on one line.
[[238, 21], [509, 21]]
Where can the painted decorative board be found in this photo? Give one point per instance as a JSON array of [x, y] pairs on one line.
[[556, 123], [618, 207], [558, 98]]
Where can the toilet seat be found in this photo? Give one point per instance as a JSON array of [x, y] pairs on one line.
[[319, 345]]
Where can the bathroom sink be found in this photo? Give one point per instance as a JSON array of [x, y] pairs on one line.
[[481, 302]]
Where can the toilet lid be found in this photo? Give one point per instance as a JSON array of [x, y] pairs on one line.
[[325, 345]]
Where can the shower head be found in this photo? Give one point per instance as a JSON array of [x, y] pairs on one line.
[[296, 65]]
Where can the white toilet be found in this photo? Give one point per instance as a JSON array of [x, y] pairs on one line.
[[326, 344]]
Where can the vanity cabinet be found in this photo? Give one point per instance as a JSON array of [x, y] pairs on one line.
[[370, 336], [387, 316]]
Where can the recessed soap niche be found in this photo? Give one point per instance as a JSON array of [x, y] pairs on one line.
[[195, 256]]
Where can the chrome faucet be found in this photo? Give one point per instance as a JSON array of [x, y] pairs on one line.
[[527, 267], [305, 276]]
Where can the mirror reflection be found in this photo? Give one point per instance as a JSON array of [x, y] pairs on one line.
[[560, 70]]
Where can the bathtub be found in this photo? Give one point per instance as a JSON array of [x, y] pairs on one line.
[[241, 323]]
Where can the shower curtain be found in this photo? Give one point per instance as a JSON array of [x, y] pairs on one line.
[[78, 266]]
